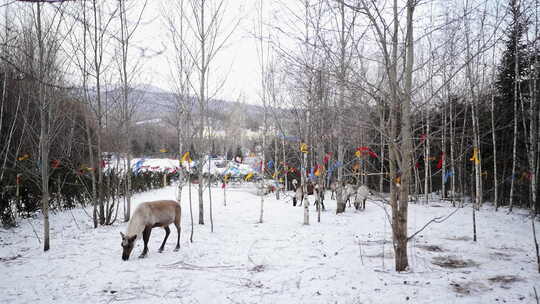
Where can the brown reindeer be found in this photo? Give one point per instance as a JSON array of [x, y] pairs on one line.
[[149, 215]]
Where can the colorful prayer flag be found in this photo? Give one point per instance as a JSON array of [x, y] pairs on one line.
[[186, 158], [441, 160], [475, 156]]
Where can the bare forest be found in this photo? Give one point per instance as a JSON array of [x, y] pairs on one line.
[[422, 102]]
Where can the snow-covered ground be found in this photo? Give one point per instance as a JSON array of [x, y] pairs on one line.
[[346, 258]]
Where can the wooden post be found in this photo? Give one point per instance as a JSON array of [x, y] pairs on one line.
[[18, 191], [304, 189]]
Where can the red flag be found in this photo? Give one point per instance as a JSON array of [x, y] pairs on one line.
[[55, 164], [368, 151], [441, 159], [327, 158]]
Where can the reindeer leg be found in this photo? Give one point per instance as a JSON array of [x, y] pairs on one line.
[[178, 230], [167, 231], [146, 237]]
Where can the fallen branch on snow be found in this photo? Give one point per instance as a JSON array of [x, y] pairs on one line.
[[437, 220]]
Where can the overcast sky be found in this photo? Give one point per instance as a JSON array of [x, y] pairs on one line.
[[238, 62]]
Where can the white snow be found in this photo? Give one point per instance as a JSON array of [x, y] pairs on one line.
[[339, 260]]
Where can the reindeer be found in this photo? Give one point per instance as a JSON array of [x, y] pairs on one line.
[[147, 216], [349, 191], [299, 193], [361, 195], [319, 197], [333, 189]]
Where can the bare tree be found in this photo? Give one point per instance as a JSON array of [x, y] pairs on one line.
[[206, 25], [127, 108]]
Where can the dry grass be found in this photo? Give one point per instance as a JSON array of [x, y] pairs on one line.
[[505, 279], [431, 248], [453, 262]]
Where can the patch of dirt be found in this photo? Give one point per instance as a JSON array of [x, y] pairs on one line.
[[505, 279], [453, 262], [459, 238], [11, 258], [468, 288], [431, 248], [501, 256], [258, 268]]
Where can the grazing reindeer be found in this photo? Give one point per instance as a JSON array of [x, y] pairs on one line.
[[333, 188], [147, 216], [319, 197], [361, 195], [349, 191]]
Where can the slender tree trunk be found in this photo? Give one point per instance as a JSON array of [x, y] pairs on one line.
[[202, 104], [341, 103], [534, 122], [426, 161], [381, 151], [494, 143], [443, 152], [126, 109], [45, 109], [305, 200], [516, 98], [210, 196]]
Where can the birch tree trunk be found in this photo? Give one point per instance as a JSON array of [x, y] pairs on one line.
[[341, 103], [516, 98], [44, 143]]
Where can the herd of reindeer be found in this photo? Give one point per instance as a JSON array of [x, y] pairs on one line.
[[351, 193], [149, 215]]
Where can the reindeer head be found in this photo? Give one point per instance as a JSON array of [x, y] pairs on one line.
[[127, 244]]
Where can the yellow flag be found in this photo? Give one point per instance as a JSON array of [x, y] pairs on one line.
[[186, 158], [304, 148], [475, 157], [358, 153], [163, 150], [248, 177], [24, 157]]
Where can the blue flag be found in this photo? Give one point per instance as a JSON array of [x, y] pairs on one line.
[[138, 165], [447, 175]]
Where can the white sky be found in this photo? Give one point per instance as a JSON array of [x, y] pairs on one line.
[[238, 61]]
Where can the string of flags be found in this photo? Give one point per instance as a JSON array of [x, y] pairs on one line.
[[361, 151]]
